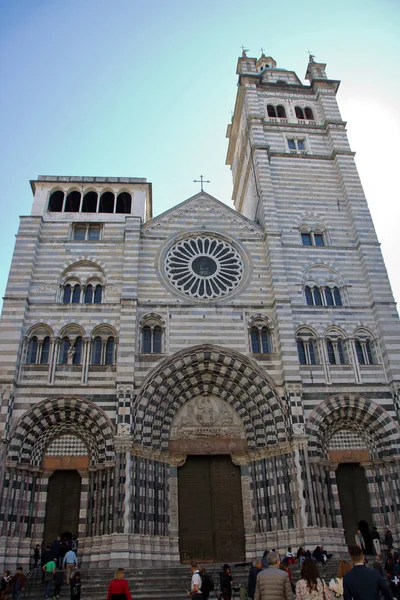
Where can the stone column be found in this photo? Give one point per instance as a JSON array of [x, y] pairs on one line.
[[300, 443]]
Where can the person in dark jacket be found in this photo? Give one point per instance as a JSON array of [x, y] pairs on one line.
[[226, 582], [251, 585], [47, 555], [362, 583], [36, 556], [58, 581], [388, 539], [76, 585]]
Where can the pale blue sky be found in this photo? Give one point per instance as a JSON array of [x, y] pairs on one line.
[[146, 89]]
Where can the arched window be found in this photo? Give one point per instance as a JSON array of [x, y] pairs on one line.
[[337, 297], [44, 356], [124, 203], [157, 340], [312, 237], [107, 201], [110, 346], [88, 294], [151, 339], [73, 202], [322, 296], [309, 296], [299, 112], [328, 296], [32, 351], [331, 352], [317, 296], [271, 110], [76, 294], [96, 351], [260, 340], [67, 294], [77, 357], [360, 353], [97, 294], [341, 352], [65, 346], [281, 111], [89, 203], [306, 348], [309, 113], [56, 201], [364, 352]]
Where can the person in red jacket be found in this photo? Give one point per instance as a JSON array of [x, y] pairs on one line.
[[118, 588]]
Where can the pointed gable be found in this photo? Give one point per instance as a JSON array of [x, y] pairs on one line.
[[204, 212]]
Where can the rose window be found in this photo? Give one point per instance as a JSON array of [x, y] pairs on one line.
[[204, 267]]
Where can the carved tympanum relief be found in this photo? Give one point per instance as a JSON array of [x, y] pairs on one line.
[[206, 416]]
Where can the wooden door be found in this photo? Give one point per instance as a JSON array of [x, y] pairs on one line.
[[211, 525], [63, 504]]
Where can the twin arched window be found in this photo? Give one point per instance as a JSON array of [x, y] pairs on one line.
[[336, 351], [277, 112], [103, 351], [322, 296], [260, 340], [75, 294], [304, 113], [38, 352], [364, 352], [151, 339], [312, 238]]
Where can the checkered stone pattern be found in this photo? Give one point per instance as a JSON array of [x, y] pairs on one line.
[[150, 492], [51, 419], [363, 415], [273, 504], [216, 371], [345, 439], [125, 403], [66, 445]]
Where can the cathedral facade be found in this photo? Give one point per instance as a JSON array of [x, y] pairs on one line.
[[208, 382]]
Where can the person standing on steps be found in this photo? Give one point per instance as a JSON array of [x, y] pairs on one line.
[[310, 586], [359, 540], [272, 583], [388, 540], [195, 583], [251, 585], [226, 582], [69, 563], [118, 588], [76, 585], [49, 570], [362, 583], [376, 540]]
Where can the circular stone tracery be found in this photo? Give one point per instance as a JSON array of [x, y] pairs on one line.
[[204, 267]]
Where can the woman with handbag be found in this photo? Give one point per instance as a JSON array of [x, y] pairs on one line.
[[336, 583], [118, 588], [310, 586]]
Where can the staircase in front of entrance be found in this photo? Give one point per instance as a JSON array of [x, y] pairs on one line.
[[159, 583]]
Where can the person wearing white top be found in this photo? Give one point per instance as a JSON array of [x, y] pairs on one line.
[[195, 586]]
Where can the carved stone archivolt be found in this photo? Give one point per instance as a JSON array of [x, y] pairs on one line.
[[206, 416]]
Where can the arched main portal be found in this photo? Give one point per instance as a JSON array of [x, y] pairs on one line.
[[205, 407]]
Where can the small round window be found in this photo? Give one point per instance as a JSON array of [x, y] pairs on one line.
[[204, 267]]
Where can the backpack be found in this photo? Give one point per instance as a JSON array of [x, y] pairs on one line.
[[207, 583]]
